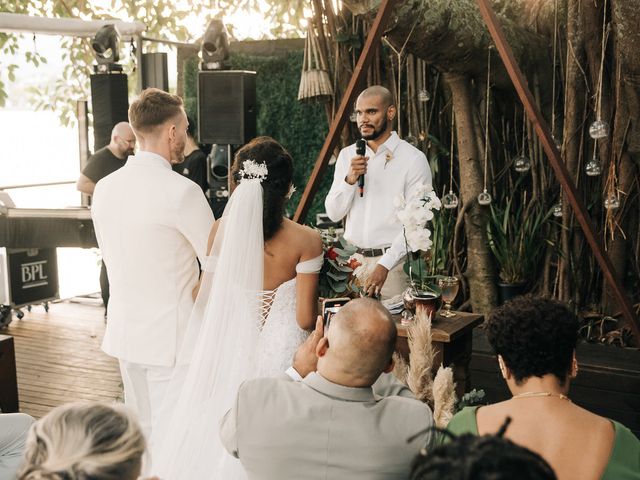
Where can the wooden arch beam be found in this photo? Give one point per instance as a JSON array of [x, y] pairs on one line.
[[373, 40], [562, 174]]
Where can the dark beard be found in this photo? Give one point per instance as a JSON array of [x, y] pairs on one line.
[[376, 132]]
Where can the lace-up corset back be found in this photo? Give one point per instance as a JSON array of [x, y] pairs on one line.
[[280, 334], [267, 297]]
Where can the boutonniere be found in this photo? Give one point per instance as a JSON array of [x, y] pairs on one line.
[[387, 158]]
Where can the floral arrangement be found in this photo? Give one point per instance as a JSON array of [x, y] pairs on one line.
[[414, 215], [343, 271], [252, 169]]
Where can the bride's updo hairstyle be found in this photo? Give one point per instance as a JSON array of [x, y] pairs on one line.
[[276, 186], [84, 441]]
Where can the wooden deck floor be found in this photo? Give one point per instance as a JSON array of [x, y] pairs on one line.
[[58, 357]]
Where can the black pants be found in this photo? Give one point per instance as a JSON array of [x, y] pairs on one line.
[[104, 284]]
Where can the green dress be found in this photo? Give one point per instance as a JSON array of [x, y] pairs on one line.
[[624, 463]]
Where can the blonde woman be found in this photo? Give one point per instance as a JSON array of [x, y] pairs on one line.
[[84, 441]]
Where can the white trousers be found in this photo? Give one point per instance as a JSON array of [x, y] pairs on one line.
[[396, 282], [145, 387]]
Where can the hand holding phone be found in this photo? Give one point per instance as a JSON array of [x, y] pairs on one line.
[[330, 307]]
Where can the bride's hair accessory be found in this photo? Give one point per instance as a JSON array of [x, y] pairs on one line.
[[292, 190], [251, 169]]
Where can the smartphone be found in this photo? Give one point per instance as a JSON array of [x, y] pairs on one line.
[[330, 307]]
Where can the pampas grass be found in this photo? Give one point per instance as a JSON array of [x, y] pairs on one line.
[[420, 357], [400, 367], [444, 397]]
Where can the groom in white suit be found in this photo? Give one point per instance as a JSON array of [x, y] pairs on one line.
[[151, 223], [341, 421]]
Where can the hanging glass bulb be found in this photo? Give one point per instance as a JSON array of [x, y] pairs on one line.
[[599, 129], [424, 95], [612, 202], [557, 210], [411, 139], [353, 117], [521, 164], [593, 168], [484, 198], [450, 200]]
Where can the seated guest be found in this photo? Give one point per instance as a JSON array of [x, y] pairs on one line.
[[84, 441], [330, 424], [14, 428], [489, 457], [535, 340]]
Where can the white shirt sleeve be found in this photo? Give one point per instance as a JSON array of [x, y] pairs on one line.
[[195, 220], [419, 175], [340, 196]]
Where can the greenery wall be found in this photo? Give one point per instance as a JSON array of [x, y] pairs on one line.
[[300, 127]]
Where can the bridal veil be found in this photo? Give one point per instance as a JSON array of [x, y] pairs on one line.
[[218, 349]]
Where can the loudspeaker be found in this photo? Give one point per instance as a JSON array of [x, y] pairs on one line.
[[154, 71], [226, 106], [110, 104]]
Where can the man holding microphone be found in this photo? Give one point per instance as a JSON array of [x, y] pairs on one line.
[[391, 168]]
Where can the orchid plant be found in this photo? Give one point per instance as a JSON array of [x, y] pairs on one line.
[[415, 214]]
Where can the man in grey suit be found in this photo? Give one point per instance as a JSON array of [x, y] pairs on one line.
[[331, 424]]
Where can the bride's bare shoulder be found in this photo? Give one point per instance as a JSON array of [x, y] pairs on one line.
[[304, 236]]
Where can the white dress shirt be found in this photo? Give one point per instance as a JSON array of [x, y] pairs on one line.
[[151, 223], [395, 170]]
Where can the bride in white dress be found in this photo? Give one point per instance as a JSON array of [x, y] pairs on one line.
[[256, 304]]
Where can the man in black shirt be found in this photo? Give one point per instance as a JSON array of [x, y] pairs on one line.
[[108, 159], [105, 161], [194, 166]]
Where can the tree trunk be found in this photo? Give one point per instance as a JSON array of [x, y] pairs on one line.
[[480, 269], [573, 136]]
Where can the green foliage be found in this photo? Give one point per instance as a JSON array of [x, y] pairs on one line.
[[469, 399], [516, 235], [336, 275], [300, 127]]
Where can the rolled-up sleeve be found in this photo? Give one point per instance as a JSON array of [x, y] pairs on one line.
[[419, 174], [340, 196]]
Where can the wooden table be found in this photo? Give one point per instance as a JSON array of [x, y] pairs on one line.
[[452, 339]]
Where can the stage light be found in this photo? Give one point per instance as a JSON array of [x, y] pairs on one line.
[[105, 49], [215, 46]]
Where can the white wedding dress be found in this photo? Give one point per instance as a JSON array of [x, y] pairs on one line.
[[236, 331], [280, 335]]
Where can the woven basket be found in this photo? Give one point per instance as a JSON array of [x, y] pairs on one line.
[[315, 83]]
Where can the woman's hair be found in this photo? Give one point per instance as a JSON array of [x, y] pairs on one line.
[[535, 336], [489, 457], [84, 441], [276, 186]]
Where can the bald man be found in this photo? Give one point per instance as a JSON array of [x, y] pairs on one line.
[[108, 159], [392, 168], [333, 423], [102, 163]]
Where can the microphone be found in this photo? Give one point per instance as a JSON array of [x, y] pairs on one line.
[[361, 149]]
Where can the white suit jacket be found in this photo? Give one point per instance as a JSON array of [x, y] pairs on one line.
[[150, 223], [315, 429]]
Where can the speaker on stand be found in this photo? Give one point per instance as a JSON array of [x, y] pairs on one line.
[[110, 105], [226, 118]]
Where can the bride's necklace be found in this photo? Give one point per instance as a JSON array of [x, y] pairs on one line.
[[541, 394]]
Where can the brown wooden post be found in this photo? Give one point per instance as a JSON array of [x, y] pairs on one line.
[[562, 174], [359, 73]]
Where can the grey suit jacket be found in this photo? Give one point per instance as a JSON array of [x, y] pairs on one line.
[[315, 429]]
